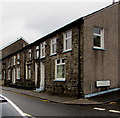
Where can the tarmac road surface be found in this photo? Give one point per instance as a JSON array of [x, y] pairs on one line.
[[36, 107]]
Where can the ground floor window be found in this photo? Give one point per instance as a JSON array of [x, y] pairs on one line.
[[60, 69], [4, 74], [9, 74], [29, 72], [18, 72]]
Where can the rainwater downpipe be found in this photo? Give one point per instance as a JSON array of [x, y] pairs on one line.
[[80, 71]]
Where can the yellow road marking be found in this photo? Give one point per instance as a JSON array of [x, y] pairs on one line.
[[45, 100], [112, 102]]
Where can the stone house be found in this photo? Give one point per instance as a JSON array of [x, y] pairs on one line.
[[7, 51], [79, 59]]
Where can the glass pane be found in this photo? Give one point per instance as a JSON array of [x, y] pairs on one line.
[[37, 48], [97, 30], [58, 61], [68, 34], [43, 52], [54, 40], [37, 54], [97, 41], [63, 60], [68, 44], [53, 48], [60, 71]]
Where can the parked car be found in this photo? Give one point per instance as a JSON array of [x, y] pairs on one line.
[[9, 109]]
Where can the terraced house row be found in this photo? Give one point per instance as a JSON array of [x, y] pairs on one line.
[[80, 59]]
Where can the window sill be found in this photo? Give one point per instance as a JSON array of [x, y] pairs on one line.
[[69, 50], [98, 48], [59, 80], [42, 57], [53, 54]]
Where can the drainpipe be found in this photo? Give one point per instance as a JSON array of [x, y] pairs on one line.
[[24, 66], [80, 94]]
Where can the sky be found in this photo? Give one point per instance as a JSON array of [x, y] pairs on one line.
[[33, 19]]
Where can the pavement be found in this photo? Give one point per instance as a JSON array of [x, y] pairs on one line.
[[101, 99]]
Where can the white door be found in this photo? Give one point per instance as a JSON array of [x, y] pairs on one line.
[[13, 76], [36, 73], [42, 77]]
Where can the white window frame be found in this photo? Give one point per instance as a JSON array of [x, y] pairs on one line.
[[101, 35], [42, 50], [18, 72], [66, 39], [56, 65], [37, 52], [14, 60], [29, 74], [18, 58], [30, 53], [53, 44]]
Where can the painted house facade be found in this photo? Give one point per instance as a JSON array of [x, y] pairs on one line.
[[78, 59]]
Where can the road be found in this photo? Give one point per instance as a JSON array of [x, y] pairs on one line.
[[37, 107]]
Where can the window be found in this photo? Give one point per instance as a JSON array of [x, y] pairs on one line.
[[18, 58], [9, 63], [67, 40], [53, 46], [30, 53], [13, 60], [4, 76], [60, 70], [18, 72], [9, 74], [42, 50], [37, 52], [98, 38], [29, 72]]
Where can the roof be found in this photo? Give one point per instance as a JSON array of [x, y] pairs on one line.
[[15, 46], [78, 21]]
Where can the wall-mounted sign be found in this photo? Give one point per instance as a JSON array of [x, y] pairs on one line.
[[104, 83]]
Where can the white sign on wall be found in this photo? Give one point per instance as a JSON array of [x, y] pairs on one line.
[[104, 83]]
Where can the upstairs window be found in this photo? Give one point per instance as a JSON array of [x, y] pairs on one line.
[[18, 58], [67, 40], [42, 50], [9, 61], [53, 46], [98, 38], [30, 53], [37, 52], [13, 60]]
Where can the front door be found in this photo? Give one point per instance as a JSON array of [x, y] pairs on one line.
[[42, 77]]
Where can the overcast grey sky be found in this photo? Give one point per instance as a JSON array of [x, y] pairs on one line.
[[33, 20]]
